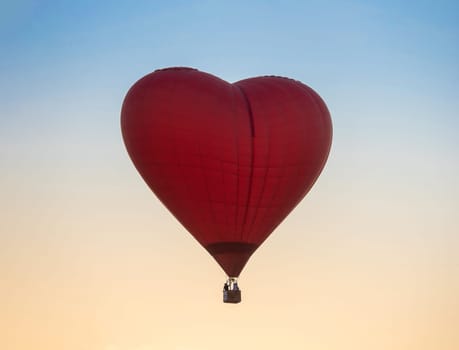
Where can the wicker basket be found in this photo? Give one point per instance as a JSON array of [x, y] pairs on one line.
[[232, 296]]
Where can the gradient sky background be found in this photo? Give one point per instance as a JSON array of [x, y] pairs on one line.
[[89, 258]]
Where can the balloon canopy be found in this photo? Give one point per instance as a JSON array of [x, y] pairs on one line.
[[230, 161]]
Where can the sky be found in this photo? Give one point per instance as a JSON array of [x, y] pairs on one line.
[[89, 258]]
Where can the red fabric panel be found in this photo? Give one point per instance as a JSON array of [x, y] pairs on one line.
[[230, 161]]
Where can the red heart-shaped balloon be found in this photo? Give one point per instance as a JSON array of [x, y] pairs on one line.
[[230, 161]]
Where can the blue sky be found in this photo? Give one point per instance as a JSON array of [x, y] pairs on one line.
[[404, 53], [387, 69]]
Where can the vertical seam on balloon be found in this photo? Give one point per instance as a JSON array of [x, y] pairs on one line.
[[277, 187], [175, 146], [318, 112], [181, 166], [236, 135], [323, 111], [252, 158], [206, 177], [249, 108], [313, 96], [265, 176]]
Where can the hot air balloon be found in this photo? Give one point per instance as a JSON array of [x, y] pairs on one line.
[[229, 161]]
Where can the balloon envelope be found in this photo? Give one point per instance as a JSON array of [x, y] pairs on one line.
[[230, 161]]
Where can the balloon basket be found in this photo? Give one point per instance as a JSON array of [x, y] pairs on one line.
[[231, 291], [232, 296]]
